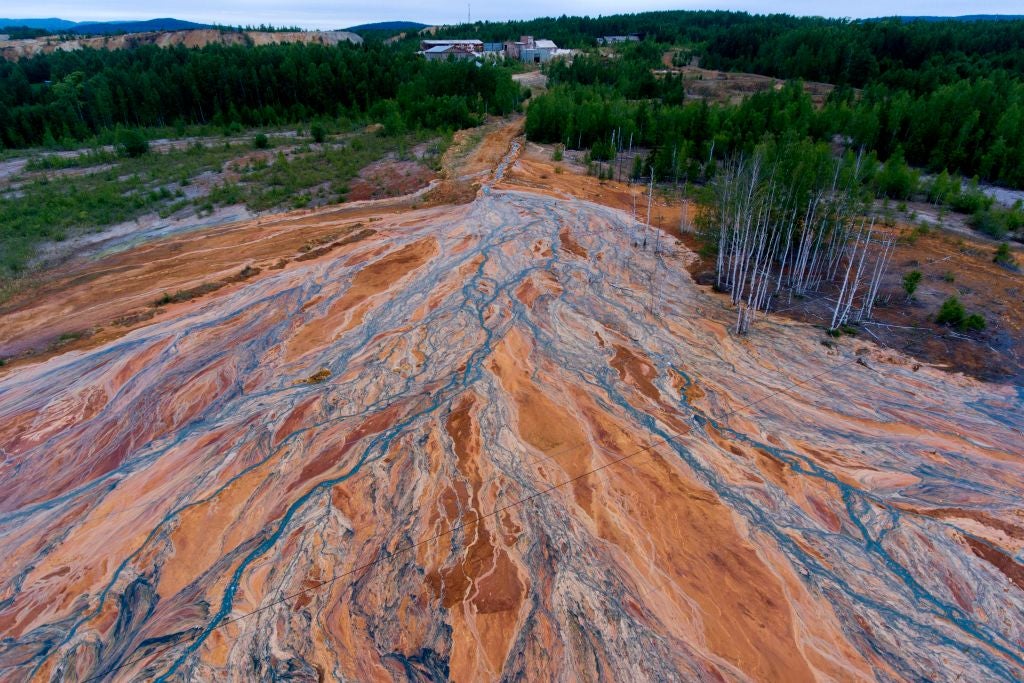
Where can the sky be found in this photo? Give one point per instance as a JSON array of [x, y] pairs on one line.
[[327, 14]]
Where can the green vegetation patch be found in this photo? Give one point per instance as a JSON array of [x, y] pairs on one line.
[[953, 313]]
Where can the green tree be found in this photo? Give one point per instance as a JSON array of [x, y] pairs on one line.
[[896, 180], [910, 282]]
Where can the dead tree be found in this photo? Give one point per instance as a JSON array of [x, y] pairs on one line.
[[778, 232]]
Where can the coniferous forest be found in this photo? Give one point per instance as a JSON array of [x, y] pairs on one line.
[[937, 95], [69, 96]]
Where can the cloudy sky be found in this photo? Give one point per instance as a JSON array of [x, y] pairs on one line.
[[337, 14]]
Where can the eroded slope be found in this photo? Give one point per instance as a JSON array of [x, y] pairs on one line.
[[499, 441]]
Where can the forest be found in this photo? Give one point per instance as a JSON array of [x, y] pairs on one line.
[[65, 97], [914, 55], [968, 126]]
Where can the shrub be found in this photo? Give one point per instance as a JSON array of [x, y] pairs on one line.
[[952, 313], [973, 323], [910, 282], [557, 154], [971, 199], [132, 143], [318, 132], [261, 141], [989, 223], [1003, 256]]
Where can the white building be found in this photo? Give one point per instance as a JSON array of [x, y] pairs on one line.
[[531, 51], [611, 40], [472, 45]]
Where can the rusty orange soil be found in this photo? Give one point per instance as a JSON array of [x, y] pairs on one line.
[[493, 440], [952, 265], [103, 299]]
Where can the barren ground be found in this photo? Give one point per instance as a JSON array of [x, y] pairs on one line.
[[733, 87], [487, 433], [954, 260]]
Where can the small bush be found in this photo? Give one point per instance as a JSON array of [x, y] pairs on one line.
[[989, 223], [557, 155], [973, 323], [971, 199], [910, 282], [953, 313], [318, 133], [1003, 256], [261, 141], [896, 180], [132, 143]]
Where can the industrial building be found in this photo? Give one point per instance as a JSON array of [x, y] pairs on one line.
[[471, 45], [611, 40], [531, 51], [525, 49], [450, 51]]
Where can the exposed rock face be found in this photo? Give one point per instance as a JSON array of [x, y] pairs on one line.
[[182, 504], [16, 49]]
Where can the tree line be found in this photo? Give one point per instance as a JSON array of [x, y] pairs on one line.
[[72, 96], [914, 55], [970, 127]]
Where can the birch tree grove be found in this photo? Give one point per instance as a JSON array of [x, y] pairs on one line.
[[788, 221]]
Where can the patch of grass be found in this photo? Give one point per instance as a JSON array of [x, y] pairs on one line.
[[290, 181], [69, 337], [53, 162], [50, 209], [53, 209]]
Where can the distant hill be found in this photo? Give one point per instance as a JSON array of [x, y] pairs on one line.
[[19, 49], [970, 17], [52, 24], [105, 27], [389, 26], [108, 27]]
